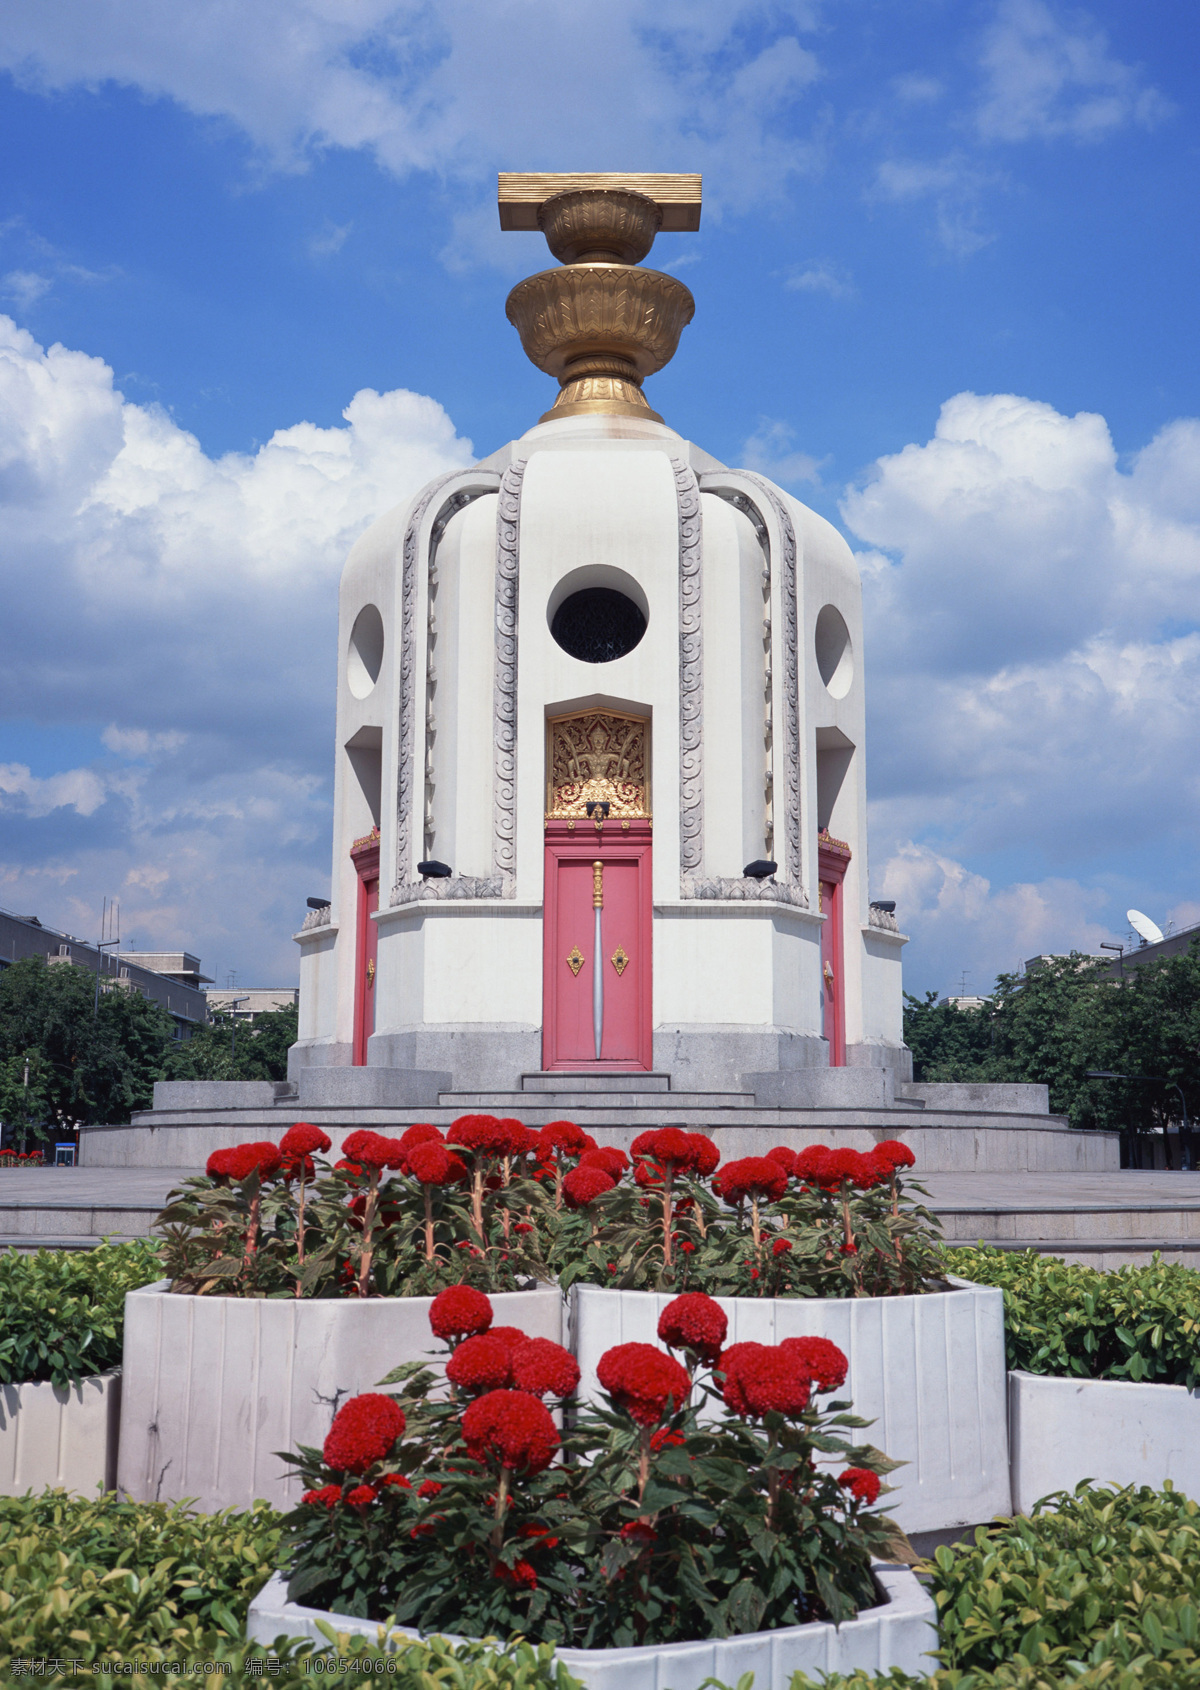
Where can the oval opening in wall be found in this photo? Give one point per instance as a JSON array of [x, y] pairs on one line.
[[834, 652], [597, 613], [365, 657]]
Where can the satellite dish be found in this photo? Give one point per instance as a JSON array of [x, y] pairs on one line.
[[1144, 927]]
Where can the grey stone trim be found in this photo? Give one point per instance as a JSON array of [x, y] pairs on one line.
[[741, 886], [459, 886], [885, 920], [504, 780], [691, 675], [457, 501], [315, 918], [791, 681], [408, 680]]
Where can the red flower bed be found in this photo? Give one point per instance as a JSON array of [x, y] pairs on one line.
[[513, 1428], [363, 1432], [459, 1312], [644, 1382]]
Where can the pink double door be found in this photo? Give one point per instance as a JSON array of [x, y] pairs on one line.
[[597, 967]]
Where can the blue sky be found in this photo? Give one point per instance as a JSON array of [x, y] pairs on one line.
[[945, 289]]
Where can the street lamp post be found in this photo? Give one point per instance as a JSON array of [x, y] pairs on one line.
[[1185, 1145], [233, 1009]]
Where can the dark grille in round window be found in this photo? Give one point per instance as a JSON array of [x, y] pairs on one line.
[[598, 625]]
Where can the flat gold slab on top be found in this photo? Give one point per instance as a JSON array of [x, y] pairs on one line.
[[523, 192]]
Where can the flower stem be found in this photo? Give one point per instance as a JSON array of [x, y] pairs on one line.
[[501, 1506], [645, 1433], [428, 1223], [364, 1266]]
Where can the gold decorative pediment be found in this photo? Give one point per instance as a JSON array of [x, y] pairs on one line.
[[595, 757]]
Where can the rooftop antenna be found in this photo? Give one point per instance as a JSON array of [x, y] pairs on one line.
[[1147, 931], [962, 985], [110, 939]]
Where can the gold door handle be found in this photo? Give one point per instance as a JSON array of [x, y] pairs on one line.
[[575, 961], [619, 960], [370, 971]]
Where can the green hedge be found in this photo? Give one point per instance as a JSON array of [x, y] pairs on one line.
[[1098, 1591], [62, 1312], [1134, 1323], [93, 1590]]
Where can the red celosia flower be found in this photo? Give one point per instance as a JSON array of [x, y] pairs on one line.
[[641, 1144], [512, 1428], [810, 1162], [666, 1438], [484, 1134], [687, 1247], [523, 1226], [899, 1155], [781, 1246], [728, 1363], [518, 1137], [606, 1156], [518, 1577], [303, 1139], [459, 1312], [395, 1481], [243, 1159], [583, 1185], [849, 1249], [363, 1431], [648, 1173], [511, 1335], [544, 1368], [350, 1167], [643, 1381], [541, 1534], [838, 1166], [429, 1163], [424, 1132], [327, 1497], [694, 1322], [481, 1363], [373, 1150], [429, 1488], [218, 1165], [862, 1484], [821, 1359], [705, 1155], [752, 1176], [639, 1532], [766, 1379], [785, 1157], [563, 1136], [361, 1497]]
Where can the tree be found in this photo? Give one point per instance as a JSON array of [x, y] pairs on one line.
[[243, 1050], [95, 1063]]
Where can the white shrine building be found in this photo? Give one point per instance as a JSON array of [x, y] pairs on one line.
[[600, 796]]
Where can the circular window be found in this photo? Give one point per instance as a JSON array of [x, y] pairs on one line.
[[365, 657], [598, 625], [835, 654]]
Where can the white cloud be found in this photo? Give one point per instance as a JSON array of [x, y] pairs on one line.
[[1044, 80], [458, 90], [1034, 665], [770, 451], [146, 583], [954, 184], [822, 276], [26, 287], [917, 90]]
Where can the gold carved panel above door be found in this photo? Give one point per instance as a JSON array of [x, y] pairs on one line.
[[598, 756]]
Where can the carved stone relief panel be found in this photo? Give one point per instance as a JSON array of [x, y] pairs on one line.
[[598, 756]]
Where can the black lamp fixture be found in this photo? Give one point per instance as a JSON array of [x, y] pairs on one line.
[[600, 805], [759, 869], [887, 905], [317, 903], [433, 870]]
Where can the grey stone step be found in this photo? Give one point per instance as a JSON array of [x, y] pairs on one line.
[[591, 1080], [567, 1102]]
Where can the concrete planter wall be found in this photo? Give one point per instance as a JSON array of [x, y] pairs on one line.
[[60, 1435], [898, 1633], [216, 1386], [1110, 1430], [927, 1371]]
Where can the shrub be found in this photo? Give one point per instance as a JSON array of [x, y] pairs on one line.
[[121, 1588], [1097, 1591], [1134, 1323], [633, 1524], [64, 1310]]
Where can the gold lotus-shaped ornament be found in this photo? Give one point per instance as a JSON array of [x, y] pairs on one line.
[[601, 324]]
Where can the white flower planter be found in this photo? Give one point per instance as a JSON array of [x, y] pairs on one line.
[[898, 1633], [215, 1387], [927, 1371], [60, 1435], [1112, 1430]]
